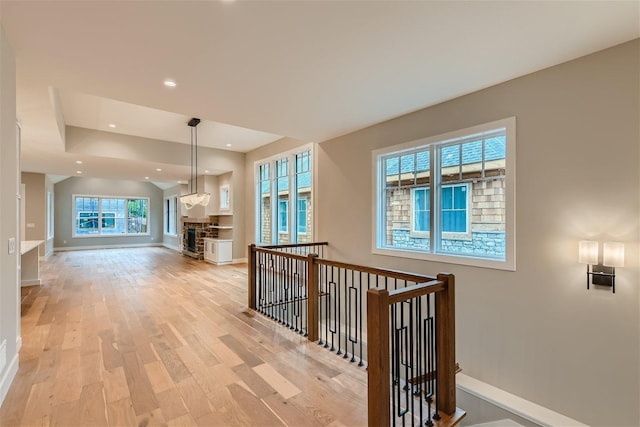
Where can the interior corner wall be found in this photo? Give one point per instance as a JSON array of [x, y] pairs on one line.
[[537, 332], [9, 172], [35, 213], [63, 218]]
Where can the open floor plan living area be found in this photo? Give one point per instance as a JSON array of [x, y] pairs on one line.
[[319, 213]]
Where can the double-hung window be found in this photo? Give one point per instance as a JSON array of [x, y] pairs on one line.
[[110, 216], [284, 198], [449, 198]]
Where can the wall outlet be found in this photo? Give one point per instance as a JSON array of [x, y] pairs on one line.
[[31, 225], [3, 355], [12, 245], [64, 242]]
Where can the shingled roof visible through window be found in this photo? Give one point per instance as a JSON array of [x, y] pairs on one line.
[[495, 148]]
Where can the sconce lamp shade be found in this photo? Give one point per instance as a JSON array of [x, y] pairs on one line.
[[588, 252], [613, 254]]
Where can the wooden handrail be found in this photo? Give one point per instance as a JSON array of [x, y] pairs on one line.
[[403, 294], [379, 374], [394, 274], [295, 245], [278, 253], [379, 302]]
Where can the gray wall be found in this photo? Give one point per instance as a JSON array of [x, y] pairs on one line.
[[9, 171], [538, 332], [92, 142], [35, 213], [64, 220]]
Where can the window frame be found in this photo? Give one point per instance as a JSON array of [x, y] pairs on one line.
[[285, 229], [413, 232], [298, 216], [292, 191], [172, 202], [439, 141], [100, 198]]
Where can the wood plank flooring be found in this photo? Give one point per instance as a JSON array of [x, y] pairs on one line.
[[148, 337]]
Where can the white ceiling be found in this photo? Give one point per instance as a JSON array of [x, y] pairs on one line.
[[311, 70]]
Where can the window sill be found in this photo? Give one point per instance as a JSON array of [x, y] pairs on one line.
[[507, 265]]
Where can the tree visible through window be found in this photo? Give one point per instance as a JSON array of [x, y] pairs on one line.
[[95, 215]]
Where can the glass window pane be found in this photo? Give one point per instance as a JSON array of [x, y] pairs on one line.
[[303, 200], [86, 213], [450, 163]]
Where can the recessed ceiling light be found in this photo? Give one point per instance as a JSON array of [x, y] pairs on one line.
[[158, 170], [206, 171], [179, 182], [78, 172], [228, 145], [111, 125], [146, 177], [169, 83], [78, 162]]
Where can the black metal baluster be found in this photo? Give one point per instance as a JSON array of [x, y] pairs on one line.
[[419, 348], [334, 294], [394, 364], [410, 360]]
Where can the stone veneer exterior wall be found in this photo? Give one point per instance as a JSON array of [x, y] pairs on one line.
[[487, 221]]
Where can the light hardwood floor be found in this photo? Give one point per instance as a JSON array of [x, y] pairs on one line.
[[148, 337]]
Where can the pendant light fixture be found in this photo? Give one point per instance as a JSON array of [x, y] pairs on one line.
[[194, 198]]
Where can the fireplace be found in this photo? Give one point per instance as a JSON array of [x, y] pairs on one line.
[[194, 231], [191, 240]]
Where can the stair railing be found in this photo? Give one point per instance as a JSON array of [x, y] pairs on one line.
[[411, 370], [404, 328]]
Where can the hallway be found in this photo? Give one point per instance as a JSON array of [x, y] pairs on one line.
[[145, 336]]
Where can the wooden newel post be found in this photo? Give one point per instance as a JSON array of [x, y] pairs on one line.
[[252, 277], [378, 368], [446, 345], [313, 284]]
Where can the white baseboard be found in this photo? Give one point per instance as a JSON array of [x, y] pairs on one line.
[[172, 247], [514, 404], [86, 248], [32, 282], [7, 378], [239, 261]]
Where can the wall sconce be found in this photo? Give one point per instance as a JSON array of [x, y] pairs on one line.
[[603, 274]]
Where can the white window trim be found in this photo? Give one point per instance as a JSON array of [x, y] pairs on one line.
[[413, 232], [446, 235], [166, 218], [306, 209], [290, 154], [509, 263], [50, 215], [287, 217], [99, 235]]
